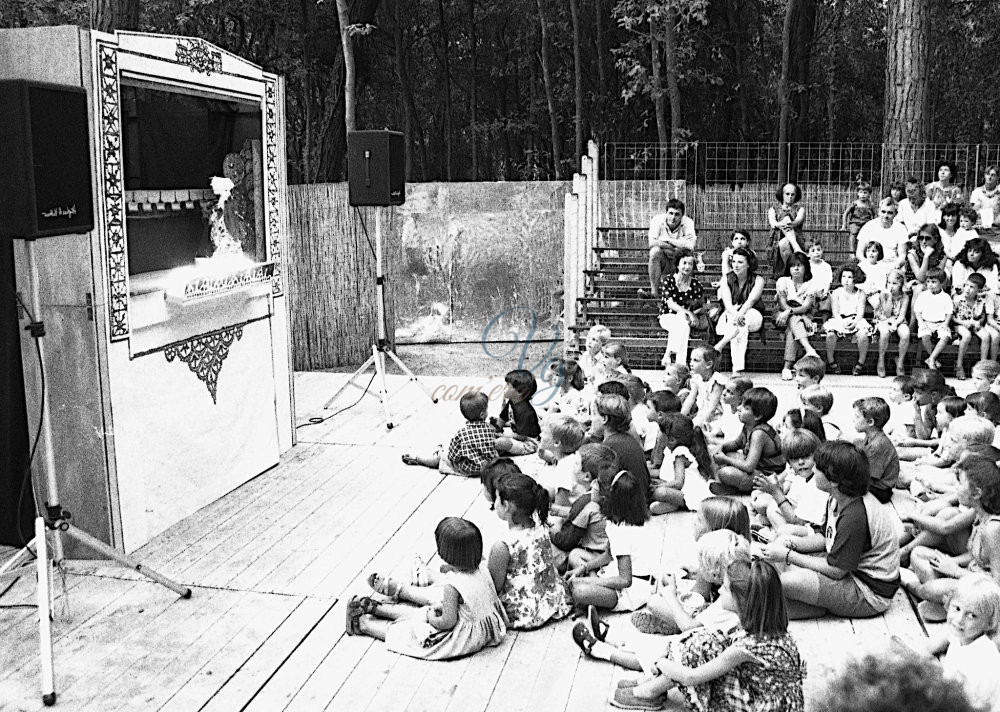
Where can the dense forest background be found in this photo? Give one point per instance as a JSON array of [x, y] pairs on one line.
[[511, 89]]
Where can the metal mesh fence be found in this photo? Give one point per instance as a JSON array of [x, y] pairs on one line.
[[725, 185]]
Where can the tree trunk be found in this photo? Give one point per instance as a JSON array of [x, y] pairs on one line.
[[783, 99], [574, 11], [111, 15], [907, 85], [307, 98], [343, 16], [549, 91], [803, 32], [672, 74], [736, 19], [473, 88], [602, 73], [412, 130], [447, 90], [659, 97]]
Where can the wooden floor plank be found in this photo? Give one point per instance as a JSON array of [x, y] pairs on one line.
[[515, 687], [367, 677], [254, 674], [332, 671], [475, 688]]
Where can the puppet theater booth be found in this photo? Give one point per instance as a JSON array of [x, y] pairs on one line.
[[167, 353]]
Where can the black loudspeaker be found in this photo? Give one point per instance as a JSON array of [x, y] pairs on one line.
[[375, 168], [45, 185]]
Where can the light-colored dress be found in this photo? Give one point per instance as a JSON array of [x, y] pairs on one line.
[[695, 487], [845, 310], [481, 622], [533, 592]]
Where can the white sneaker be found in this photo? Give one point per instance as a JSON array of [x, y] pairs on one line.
[[786, 374]]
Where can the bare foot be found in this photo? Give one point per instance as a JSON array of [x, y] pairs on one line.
[[880, 369], [960, 373], [931, 363], [900, 371]]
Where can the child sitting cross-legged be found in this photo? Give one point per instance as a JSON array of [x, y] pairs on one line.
[[610, 427], [758, 667], [931, 474], [794, 507], [929, 389], [561, 438], [687, 466], [474, 445], [937, 575], [568, 396], [623, 582], [521, 563], [659, 403], [518, 422], [756, 450], [459, 615], [702, 403], [671, 614], [581, 537]]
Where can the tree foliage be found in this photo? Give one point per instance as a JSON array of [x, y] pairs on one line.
[[461, 74]]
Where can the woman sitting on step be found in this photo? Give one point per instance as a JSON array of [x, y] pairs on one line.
[[682, 307], [740, 293]]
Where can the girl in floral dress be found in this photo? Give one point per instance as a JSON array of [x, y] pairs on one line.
[[521, 563], [757, 668]]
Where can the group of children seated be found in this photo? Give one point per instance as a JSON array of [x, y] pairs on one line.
[[794, 519]]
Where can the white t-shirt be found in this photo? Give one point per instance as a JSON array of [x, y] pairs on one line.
[[683, 236], [891, 238], [808, 500], [960, 275], [822, 277], [912, 219], [876, 276], [958, 241], [704, 395], [985, 205], [977, 666], [934, 308], [900, 420], [632, 541], [644, 427]]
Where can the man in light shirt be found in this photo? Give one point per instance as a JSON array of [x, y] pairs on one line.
[[885, 231], [915, 210], [985, 199], [668, 233]]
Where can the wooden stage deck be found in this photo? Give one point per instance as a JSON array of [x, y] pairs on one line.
[[273, 563]]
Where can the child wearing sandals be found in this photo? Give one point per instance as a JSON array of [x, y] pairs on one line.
[[636, 649], [458, 616], [758, 667], [521, 563], [625, 570]]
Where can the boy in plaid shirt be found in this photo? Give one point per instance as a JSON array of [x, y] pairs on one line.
[[474, 445]]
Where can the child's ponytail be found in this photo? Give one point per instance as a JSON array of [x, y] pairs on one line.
[[525, 495], [681, 429], [622, 499]]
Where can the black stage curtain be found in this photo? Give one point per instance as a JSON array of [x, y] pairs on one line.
[[16, 507]]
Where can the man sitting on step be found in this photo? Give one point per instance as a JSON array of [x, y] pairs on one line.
[[668, 232]]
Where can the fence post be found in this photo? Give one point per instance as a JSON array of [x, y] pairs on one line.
[[587, 170], [569, 267], [595, 198]]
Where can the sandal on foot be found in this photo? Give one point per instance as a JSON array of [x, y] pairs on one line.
[[597, 626], [409, 460], [384, 585], [358, 606], [880, 370], [625, 699], [833, 368], [646, 622], [584, 638], [859, 368], [960, 373], [627, 683]]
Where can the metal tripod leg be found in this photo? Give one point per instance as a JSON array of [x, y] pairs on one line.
[[99, 546], [350, 381], [45, 614], [396, 360]]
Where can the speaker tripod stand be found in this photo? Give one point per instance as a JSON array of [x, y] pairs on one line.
[[55, 522], [380, 349]]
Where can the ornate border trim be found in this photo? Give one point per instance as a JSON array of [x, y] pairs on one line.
[[112, 176], [204, 355], [199, 55], [272, 198], [113, 184]]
